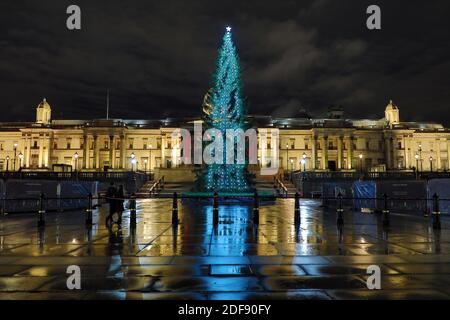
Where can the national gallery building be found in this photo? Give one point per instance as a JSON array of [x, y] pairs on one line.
[[333, 143]]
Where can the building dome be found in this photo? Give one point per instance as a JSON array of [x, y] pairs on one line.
[[391, 106], [392, 113], [43, 112], [44, 104]]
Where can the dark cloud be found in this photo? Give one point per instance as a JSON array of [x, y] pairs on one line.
[[157, 57]]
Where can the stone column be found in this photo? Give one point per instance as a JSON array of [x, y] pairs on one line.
[[85, 152], [339, 164], [163, 151], [388, 149], [313, 153], [350, 152], [448, 154], [41, 152], [394, 155], [406, 152], [438, 155], [112, 151], [122, 152], [46, 159], [95, 164], [28, 152], [325, 153]]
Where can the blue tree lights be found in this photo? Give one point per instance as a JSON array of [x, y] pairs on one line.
[[227, 113]]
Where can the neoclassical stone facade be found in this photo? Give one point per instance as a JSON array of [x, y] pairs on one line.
[[333, 143]]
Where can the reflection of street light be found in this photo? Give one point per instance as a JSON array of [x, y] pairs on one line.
[[431, 163], [145, 165], [7, 163], [20, 160], [292, 165], [15, 152], [361, 162], [75, 156]]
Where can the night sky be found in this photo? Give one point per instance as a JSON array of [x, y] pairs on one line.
[[157, 57]]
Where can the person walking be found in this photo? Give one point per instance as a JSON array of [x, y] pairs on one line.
[[110, 198]]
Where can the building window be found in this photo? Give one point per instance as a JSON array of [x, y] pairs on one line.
[[306, 146], [367, 145], [106, 145], [130, 143], [35, 145]]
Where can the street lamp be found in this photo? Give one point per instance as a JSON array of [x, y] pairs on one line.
[[15, 152], [133, 161], [361, 162], [304, 161], [431, 163], [75, 156], [20, 160], [7, 163]]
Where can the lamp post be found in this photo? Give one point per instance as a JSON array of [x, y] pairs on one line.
[[360, 162], [7, 163], [15, 152], [20, 160], [304, 161], [75, 157], [303, 164], [431, 163], [133, 161]]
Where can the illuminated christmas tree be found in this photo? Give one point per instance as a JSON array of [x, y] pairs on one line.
[[226, 111]]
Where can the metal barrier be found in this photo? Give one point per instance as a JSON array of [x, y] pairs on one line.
[[42, 202]]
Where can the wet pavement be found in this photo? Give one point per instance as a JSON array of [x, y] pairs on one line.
[[235, 260]]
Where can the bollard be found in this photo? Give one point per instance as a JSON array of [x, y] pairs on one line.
[[41, 212], [133, 209], [215, 209], [132, 206], [297, 209], [89, 210], [256, 209], [436, 212], [386, 221], [175, 208], [340, 211]]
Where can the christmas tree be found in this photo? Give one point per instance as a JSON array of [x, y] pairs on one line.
[[226, 111]]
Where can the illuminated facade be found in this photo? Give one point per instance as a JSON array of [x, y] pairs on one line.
[[332, 143]]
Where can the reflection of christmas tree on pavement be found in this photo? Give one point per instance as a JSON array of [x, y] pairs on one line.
[[226, 111]]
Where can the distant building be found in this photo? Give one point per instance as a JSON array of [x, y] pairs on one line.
[[333, 143]]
